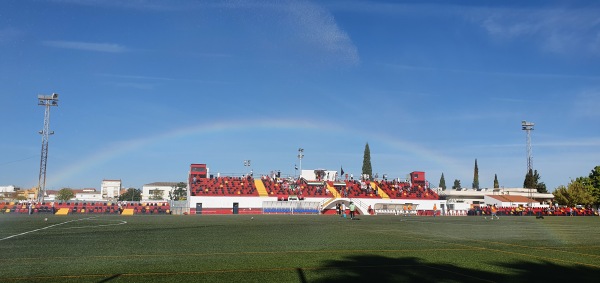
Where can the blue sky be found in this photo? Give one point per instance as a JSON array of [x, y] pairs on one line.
[[148, 87]]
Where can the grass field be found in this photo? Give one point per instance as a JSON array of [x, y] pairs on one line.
[[295, 248]]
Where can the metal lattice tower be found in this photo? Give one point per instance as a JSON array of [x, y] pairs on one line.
[[300, 156], [528, 127], [47, 101]]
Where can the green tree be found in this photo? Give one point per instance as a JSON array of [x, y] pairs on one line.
[[595, 184], [132, 194], [366, 168], [65, 194], [532, 181], [561, 195], [496, 184], [541, 188], [442, 182], [456, 185], [529, 182], [179, 192], [577, 192], [476, 176], [156, 194]]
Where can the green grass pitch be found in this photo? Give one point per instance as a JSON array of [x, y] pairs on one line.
[[297, 248]]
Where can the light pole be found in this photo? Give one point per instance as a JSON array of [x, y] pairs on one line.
[[47, 101], [528, 127], [247, 164], [300, 155]]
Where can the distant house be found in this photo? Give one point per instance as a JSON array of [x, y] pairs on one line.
[[8, 191], [469, 198], [88, 194], [110, 189], [158, 190], [508, 200]]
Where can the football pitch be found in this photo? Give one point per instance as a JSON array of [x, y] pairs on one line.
[[297, 248]]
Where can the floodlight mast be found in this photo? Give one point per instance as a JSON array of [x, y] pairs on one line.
[[47, 101], [528, 127], [300, 156]]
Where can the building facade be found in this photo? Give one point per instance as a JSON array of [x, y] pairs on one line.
[[158, 190], [110, 189]]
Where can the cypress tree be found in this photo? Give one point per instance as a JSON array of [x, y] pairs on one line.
[[530, 182], [476, 176], [442, 182], [366, 168]]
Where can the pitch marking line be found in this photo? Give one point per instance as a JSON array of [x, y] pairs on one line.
[[217, 271], [239, 254], [62, 223], [119, 222]]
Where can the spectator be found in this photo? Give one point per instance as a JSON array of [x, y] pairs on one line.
[[352, 208]]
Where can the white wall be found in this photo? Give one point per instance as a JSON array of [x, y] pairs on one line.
[[110, 188], [146, 195], [96, 196]]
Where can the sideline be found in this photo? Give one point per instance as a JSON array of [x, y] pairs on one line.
[[119, 222], [40, 229]]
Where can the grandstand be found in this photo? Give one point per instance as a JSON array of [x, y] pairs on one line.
[[321, 188], [83, 207], [316, 191]]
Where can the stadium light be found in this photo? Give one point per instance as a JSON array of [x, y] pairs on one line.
[[247, 163], [300, 155], [46, 101]]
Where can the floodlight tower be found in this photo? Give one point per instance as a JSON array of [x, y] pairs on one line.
[[247, 163], [300, 155], [47, 101], [528, 127]]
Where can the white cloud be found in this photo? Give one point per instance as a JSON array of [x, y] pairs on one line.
[[317, 27], [557, 30], [301, 25], [87, 46]]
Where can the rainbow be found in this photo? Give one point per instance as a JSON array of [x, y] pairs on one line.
[[120, 148]]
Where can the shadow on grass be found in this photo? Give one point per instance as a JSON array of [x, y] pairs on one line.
[[372, 268], [109, 278]]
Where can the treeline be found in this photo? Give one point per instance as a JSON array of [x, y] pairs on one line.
[[581, 191]]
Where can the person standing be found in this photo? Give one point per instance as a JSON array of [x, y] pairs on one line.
[[352, 208], [494, 212], [434, 209]]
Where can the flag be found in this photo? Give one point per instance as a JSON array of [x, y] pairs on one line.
[[342, 170], [296, 166]]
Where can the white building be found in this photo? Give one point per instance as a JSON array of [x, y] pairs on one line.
[[158, 190], [110, 189], [469, 198], [326, 175], [7, 191], [88, 195]]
